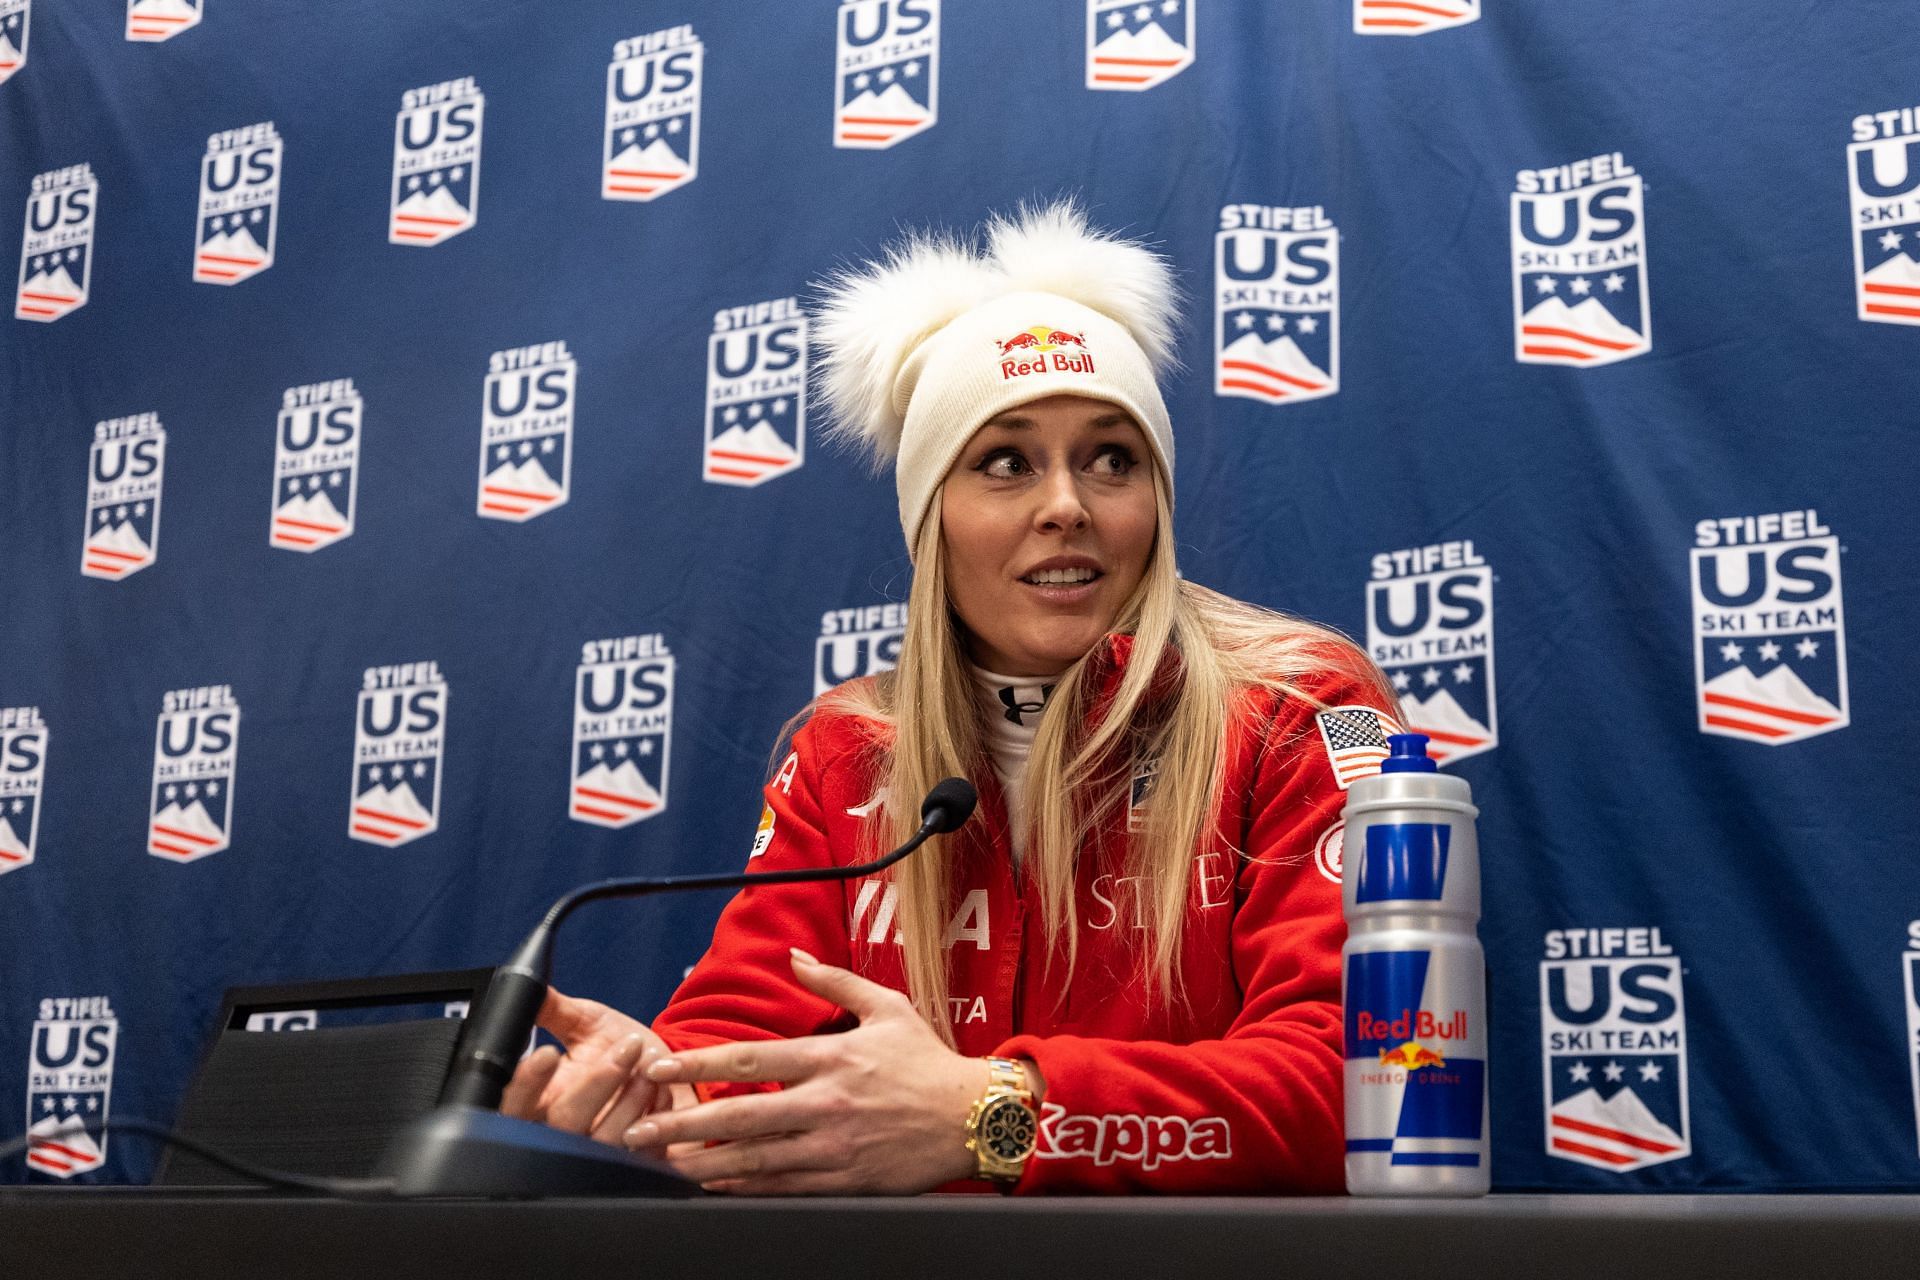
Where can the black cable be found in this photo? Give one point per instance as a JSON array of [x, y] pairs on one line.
[[340, 1188]]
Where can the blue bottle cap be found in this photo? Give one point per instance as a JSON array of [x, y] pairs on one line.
[[1409, 754]]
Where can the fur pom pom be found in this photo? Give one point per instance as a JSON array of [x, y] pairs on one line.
[[869, 320]]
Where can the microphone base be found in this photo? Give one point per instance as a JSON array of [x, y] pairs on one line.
[[466, 1152]]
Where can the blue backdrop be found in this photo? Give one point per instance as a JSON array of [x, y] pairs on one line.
[[497, 544]]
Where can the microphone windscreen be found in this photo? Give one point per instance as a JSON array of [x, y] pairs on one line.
[[949, 804]]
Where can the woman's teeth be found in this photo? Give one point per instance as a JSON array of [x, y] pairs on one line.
[[1059, 577]]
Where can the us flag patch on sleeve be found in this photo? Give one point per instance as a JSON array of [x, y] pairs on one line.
[[1356, 739]]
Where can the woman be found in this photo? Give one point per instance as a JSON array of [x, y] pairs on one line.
[[1123, 974]]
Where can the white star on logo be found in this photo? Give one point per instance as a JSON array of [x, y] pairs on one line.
[[257, 215], [172, 792], [1545, 284], [1613, 1071], [120, 512], [1244, 320], [19, 806], [1142, 13], [213, 788], [1615, 282], [1116, 18], [70, 1102], [46, 1104], [653, 131], [732, 414], [334, 480], [526, 448], [1807, 648], [397, 772], [456, 173], [626, 135], [911, 69], [546, 444], [413, 183], [676, 124], [1277, 323], [646, 746], [1649, 1071], [1430, 677], [1580, 1071], [313, 482], [93, 1103], [862, 80], [1170, 6], [620, 749], [1306, 324], [139, 508], [1402, 681], [780, 405], [373, 774], [293, 486], [1891, 240], [1730, 652], [1769, 651], [433, 179], [886, 75], [754, 409], [419, 768], [1580, 285], [597, 751], [1463, 674]]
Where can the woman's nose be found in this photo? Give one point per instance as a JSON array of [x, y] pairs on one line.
[[1060, 506]]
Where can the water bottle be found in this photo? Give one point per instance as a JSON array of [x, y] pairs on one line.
[[1414, 982]]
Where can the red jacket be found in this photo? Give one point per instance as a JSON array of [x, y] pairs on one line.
[[1236, 1089]]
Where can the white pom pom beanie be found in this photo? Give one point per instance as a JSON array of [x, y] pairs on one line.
[[918, 351]]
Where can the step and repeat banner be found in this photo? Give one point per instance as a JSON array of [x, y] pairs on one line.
[[411, 504]]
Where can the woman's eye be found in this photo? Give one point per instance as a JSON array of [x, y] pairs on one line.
[[1004, 465], [1114, 460]]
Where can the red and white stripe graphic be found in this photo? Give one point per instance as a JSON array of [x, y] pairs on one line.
[[1408, 18], [303, 535], [105, 562], [177, 842], [1606, 1145]]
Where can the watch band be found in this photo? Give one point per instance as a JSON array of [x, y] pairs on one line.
[[1002, 1128]]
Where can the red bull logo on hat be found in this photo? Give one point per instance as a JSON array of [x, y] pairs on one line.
[[1042, 348]]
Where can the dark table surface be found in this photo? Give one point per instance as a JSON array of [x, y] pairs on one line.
[[109, 1232]]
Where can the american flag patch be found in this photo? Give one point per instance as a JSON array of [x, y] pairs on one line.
[[1356, 739]]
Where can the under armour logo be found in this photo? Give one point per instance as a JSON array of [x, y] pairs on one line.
[[1017, 709]]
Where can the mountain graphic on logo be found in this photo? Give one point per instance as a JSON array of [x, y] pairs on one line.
[[656, 157], [67, 1134], [1280, 355], [398, 801], [1623, 1113], [316, 508], [1151, 41], [234, 244], [762, 440], [120, 537], [9, 54], [54, 281], [439, 204], [161, 9], [1897, 270], [193, 820], [895, 104], [1590, 318], [527, 477], [623, 781], [1438, 711], [10, 847], [1780, 687]]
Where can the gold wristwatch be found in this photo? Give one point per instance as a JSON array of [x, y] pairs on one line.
[[1002, 1129]]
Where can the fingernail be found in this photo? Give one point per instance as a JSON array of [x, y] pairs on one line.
[[644, 1134], [661, 1068], [802, 956], [628, 1050]]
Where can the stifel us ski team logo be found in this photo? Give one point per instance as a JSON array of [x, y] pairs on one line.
[[622, 729], [1769, 634], [16, 16], [1910, 976], [399, 742], [126, 470], [1276, 317], [526, 432], [857, 642], [652, 143], [70, 1084], [1883, 174], [1430, 627], [1613, 1027], [151, 21], [239, 204], [436, 162], [316, 465], [1412, 17], [196, 751], [756, 393], [23, 772], [1135, 45], [886, 72], [56, 248], [1580, 264]]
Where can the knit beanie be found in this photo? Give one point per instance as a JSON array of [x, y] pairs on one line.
[[915, 352]]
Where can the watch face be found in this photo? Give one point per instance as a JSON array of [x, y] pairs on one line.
[[1007, 1129]]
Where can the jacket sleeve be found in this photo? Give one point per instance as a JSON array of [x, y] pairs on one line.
[[1261, 1108], [743, 988]]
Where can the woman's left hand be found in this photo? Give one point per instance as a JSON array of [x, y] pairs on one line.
[[881, 1108]]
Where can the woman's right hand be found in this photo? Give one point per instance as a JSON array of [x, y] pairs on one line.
[[598, 1086]]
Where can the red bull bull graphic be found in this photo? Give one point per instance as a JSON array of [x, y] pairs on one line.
[[56, 248], [651, 144], [23, 769], [1134, 47], [1883, 179], [436, 163], [886, 72]]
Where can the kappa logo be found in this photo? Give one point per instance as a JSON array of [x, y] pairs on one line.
[[886, 72], [1769, 635], [1276, 317], [23, 771], [1580, 264], [399, 745], [1149, 1141], [239, 204], [151, 21], [56, 249], [526, 432], [436, 162], [16, 17], [1883, 173], [1135, 46], [126, 468], [70, 1084], [1430, 627], [1910, 975], [1614, 1032], [316, 465], [196, 751], [857, 642], [1407, 18], [652, 143], [1041, 348], [756, 393], [622, 730]]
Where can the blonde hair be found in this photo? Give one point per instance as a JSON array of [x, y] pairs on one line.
[[1084, 758]]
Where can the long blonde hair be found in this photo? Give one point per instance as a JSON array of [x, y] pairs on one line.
[[1080, 768]]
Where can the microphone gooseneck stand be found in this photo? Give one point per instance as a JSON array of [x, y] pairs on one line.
[[465, 1147]]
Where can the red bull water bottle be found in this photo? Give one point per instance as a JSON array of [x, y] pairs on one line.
[[1414, 982]]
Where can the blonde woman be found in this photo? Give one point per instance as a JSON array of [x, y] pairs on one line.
[[1123, 974]]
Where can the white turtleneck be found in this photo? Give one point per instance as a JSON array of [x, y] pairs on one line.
[[1012, 706]]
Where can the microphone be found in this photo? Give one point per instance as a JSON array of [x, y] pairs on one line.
[[463, 1148]]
